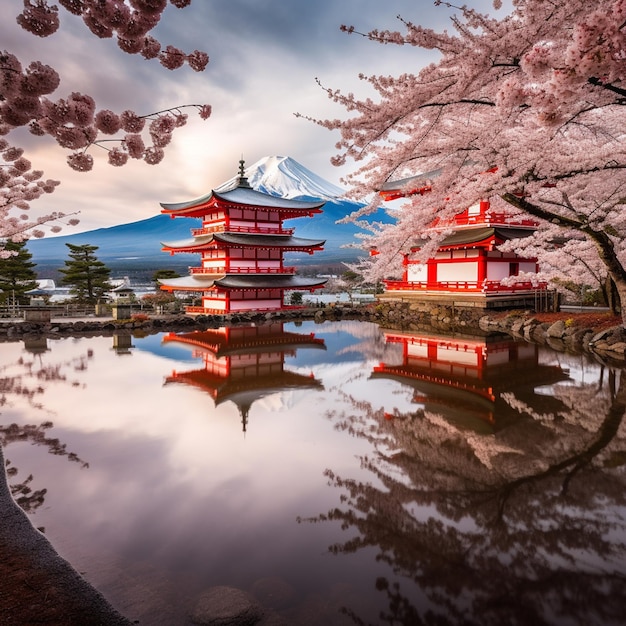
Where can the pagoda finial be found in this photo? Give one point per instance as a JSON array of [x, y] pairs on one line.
[[242, 180]]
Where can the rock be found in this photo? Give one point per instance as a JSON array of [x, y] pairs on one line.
[[227, 606], [556, 330], [619, 347], [516, 326], [539, 334]]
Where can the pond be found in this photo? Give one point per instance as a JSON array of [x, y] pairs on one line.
[[338, 473]]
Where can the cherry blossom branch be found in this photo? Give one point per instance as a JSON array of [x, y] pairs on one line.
[[74, 122]]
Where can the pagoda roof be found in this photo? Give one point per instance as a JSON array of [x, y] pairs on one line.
[[204, 282], [412, 185], [223, 388], [241, 195], [196, 244], [476, 235], [216, 342]]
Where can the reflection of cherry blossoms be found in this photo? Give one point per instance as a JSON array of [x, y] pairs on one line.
[[26, 381], [521, 526]]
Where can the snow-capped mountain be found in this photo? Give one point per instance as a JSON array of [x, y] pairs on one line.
[[285, 177], [137, 245]]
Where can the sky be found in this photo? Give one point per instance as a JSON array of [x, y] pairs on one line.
[[265, 56]]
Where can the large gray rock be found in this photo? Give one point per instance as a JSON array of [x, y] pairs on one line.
[[227, 606], [556, 330]]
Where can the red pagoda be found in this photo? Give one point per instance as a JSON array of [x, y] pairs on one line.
[[242, 241], [468, 262]]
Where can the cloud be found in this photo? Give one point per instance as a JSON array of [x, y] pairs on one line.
[[265, 56]]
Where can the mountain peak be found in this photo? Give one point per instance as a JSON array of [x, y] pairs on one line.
[[285, 177]]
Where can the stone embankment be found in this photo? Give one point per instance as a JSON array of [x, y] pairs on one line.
[[566, 332], [562, 334]]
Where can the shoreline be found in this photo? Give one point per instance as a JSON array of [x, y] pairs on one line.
[[602, 336]]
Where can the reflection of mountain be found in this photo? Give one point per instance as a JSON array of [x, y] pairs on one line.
[[463, 378], [244, 363]]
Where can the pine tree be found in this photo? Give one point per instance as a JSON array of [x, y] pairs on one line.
[[87, 277], [17, 275]]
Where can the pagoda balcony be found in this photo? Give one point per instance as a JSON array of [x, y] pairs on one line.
[[209, 311], [242, 270], [484, 219], [254, 230], [485, 287]]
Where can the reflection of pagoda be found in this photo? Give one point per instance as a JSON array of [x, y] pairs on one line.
[[242, 243], [463, 378], [244, 363]]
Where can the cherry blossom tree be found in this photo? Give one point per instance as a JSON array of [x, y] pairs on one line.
[[75, 122], [525, 109]]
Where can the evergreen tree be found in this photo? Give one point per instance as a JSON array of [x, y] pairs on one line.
[[87, 277], [163, 274], [17, 275]]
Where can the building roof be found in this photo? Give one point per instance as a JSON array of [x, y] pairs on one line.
[[420, 184], [204, 282], [244, 240], [216, 342], [261, 281], [241, 195], [476, 235]]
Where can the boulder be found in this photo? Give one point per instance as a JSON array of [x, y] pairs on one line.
[[556, 330], [227, 606]]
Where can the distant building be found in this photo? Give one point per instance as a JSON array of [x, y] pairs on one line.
[[121, 290], [241, 242], [468, 265]]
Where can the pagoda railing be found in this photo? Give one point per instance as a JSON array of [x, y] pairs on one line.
[[489, 219], [254, 230], [462, 286], [209, 311], [242, 270]]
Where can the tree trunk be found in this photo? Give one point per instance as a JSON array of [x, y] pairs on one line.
[[604, 244], [613, 299]]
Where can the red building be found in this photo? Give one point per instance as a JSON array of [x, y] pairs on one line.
[[468, 262], [242, 242]]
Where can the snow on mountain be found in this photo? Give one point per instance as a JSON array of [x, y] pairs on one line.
[[285, 177]]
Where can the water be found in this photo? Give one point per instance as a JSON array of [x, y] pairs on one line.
[[338, 473]]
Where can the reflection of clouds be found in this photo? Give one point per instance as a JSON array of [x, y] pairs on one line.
[[171, 477]]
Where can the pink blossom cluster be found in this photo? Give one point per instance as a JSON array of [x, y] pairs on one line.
[[75, 121], [129, 22]]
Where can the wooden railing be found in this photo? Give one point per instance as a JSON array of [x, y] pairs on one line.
[[242, 270], [491, 219], [208, 311], [492, 286], [258, 230]]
